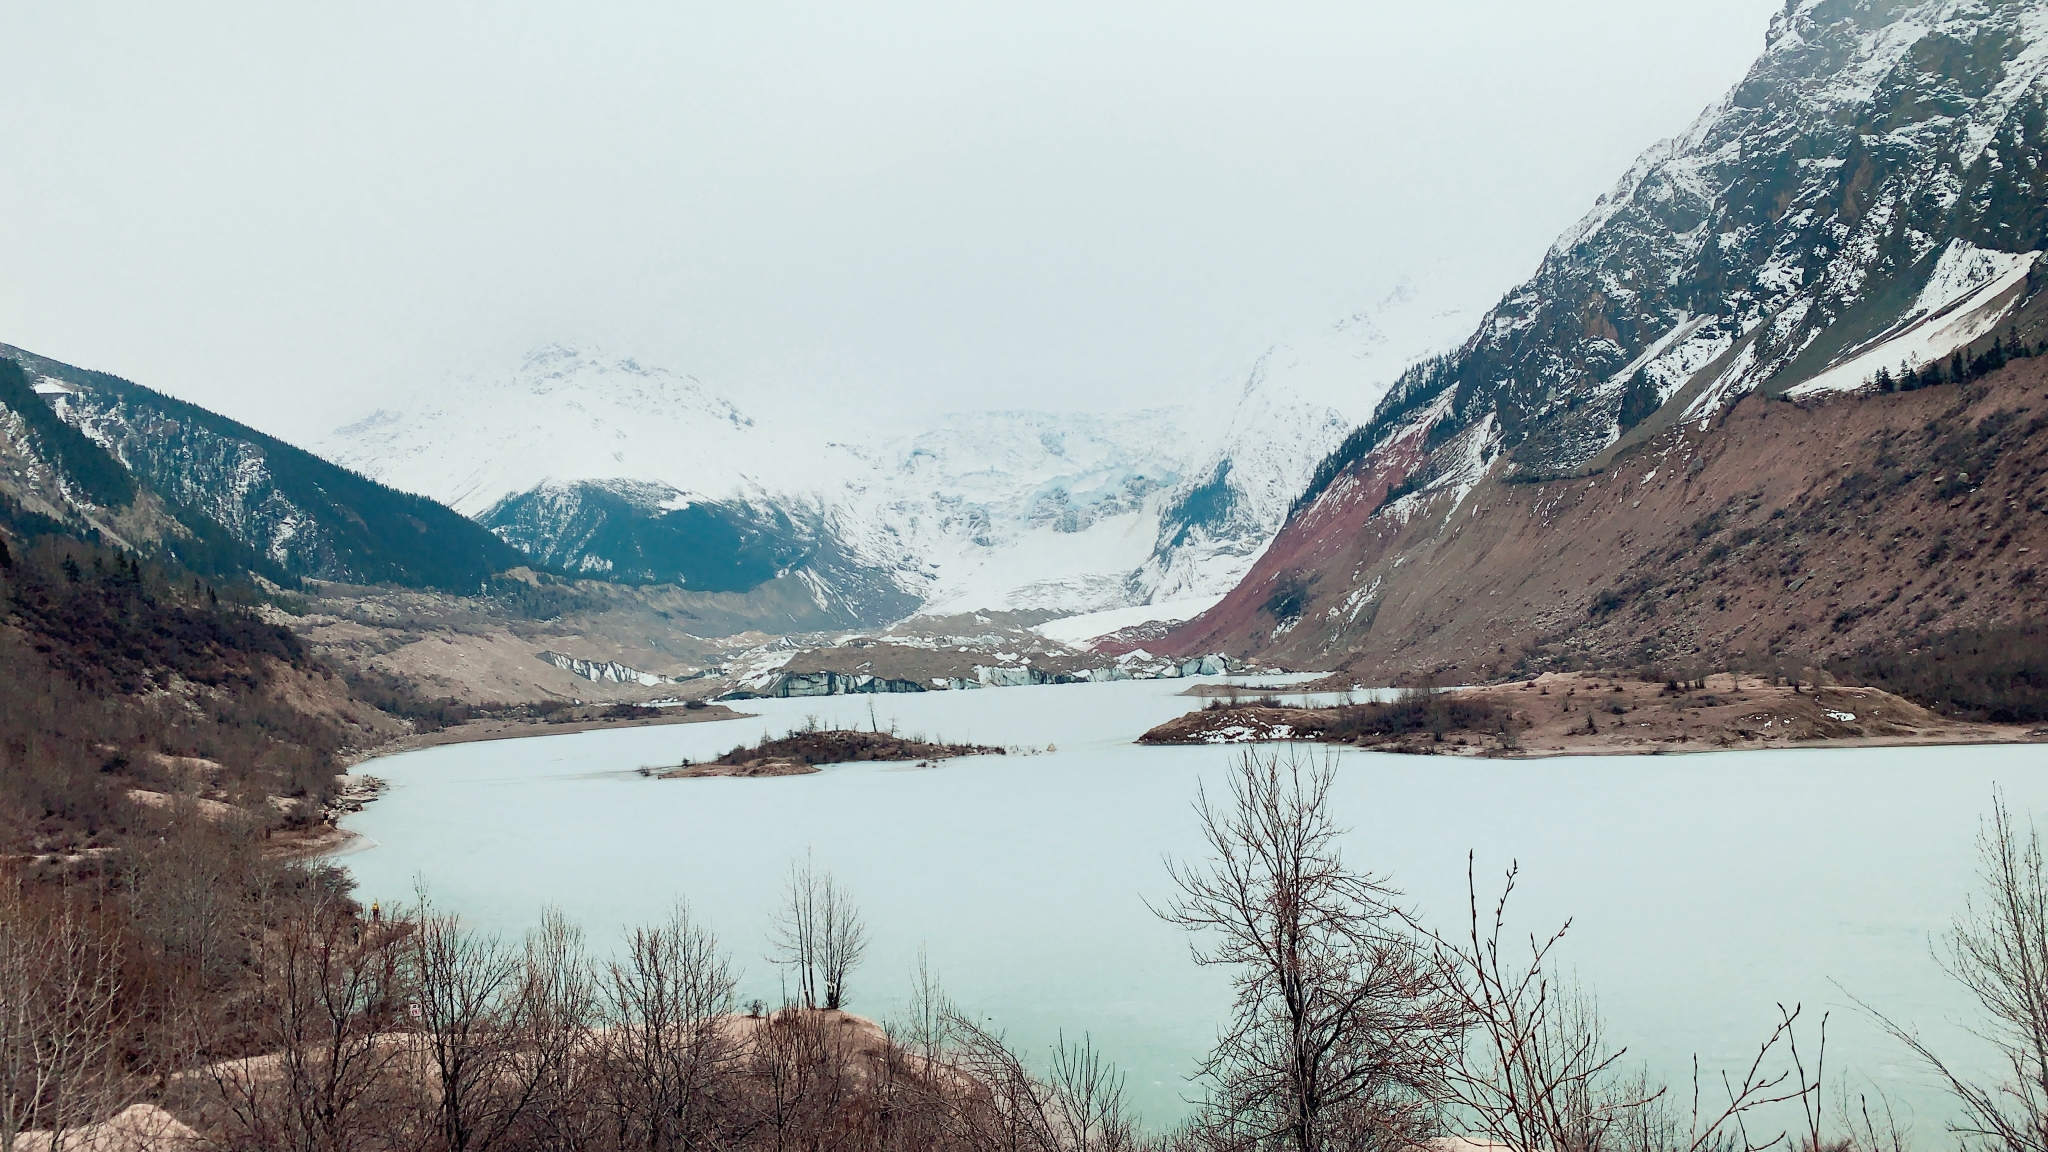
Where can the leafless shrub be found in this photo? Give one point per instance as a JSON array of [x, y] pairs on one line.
[[1998, 950], [1077, 1107], [1087, 1105], [799, 1082], [1536, 1073], [60, 985]]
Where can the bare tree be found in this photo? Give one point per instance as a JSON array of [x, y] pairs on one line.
[[1087, 1105], [665, 1050], [820, 937], [924, 1101], [473, 1015], [1338, 1027], [563, 1007], [843, 940], [1536, 1073], [796, 933], [60, 989], [326, 993], [1998, 950]]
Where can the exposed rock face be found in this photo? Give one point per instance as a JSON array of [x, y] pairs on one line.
[[1871, 193], [603, 671], [789, 684]]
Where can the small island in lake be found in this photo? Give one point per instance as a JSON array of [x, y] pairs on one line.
[[800, 753]]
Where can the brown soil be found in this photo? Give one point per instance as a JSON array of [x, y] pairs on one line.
[[920, 665], [515, 729], [1580, 714], [485, 649], [1783, 535], [1246, 691], [804, 752]]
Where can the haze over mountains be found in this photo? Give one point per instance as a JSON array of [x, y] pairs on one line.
[[1760, 404], [601, 465]]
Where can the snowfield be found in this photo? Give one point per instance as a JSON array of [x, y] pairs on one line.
[[1006, 510], [1972, 291]]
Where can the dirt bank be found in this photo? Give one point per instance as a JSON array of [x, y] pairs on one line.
[[1581, 714], [516, 729], [1782, 535]]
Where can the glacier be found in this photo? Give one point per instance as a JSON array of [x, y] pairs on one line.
[[604, 466]]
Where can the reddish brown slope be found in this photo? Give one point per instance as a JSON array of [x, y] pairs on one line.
[[1323, 537], [1783, 533]]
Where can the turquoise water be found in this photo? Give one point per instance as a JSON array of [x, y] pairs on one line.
[[1703, 889]]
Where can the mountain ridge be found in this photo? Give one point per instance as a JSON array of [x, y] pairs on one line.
[[603, 466], [167, 477], [1865, 201]]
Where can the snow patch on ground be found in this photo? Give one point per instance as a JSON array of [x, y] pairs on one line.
[[1077, 631], [1963, 302]]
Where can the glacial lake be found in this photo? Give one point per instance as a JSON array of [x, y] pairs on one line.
[[1703, 889]]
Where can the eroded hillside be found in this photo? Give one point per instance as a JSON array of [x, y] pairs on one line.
[[1786, 532]]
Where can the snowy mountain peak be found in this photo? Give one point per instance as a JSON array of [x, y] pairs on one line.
[[563, 414], [604, 465]]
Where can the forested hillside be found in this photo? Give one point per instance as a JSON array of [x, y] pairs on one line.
[[111, 460]]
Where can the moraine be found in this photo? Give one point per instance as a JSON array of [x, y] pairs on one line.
[[1703, 889]]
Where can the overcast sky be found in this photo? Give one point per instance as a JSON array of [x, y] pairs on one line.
[[285, 210]]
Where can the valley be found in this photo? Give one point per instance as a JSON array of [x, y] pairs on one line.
[[1705, 574]]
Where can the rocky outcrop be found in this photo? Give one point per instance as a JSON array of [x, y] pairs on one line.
[[1133, 666], [787, 684], [604, 671]]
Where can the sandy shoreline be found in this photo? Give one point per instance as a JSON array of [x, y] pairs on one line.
[[327, 841], [480, 730]]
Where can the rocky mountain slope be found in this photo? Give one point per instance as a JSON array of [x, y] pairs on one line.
[[1866, 206], [603, 466], [91, 456]]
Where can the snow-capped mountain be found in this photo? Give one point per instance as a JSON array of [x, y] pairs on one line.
[[1869, 195], [1022, 510], [607, 467], [562, 416], [1869, 205], [1301, 400], [99, 458]]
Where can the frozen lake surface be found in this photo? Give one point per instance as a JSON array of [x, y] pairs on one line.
[[1703, 889]]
